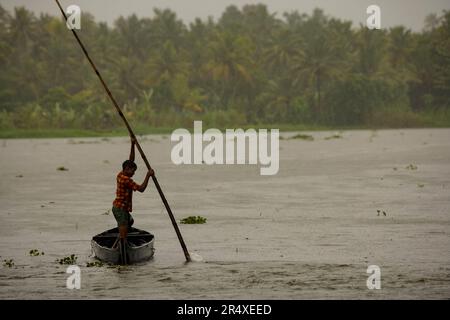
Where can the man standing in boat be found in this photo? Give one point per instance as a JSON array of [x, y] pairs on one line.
[[122, 205]]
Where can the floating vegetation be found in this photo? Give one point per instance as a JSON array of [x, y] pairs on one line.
[[94, 264], [8, 263], [379, 211], [19, 176], [193, 220], [121, 269], [334, 136], [420, 185], [35, 253], [62, 169], [71, 141], [72, 259], [394, 168], [105, 161], [411, 167], [146, 138], [301, 136], [106, 213]]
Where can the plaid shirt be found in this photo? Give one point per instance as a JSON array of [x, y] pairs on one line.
[[125, 186]]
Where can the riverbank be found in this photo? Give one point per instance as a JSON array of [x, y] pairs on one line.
[[147, 130]]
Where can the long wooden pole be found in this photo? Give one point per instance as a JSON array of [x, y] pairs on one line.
[[130, 131]]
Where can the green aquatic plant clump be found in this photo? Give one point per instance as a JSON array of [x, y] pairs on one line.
[[94, 264], [334, 136], [35, 253], [301, 136], [8, 263], [72, 259], [193, 220]]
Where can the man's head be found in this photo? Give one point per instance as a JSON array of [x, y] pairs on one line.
[[129, 167]]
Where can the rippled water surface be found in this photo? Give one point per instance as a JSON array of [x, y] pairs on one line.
[[309, 232]]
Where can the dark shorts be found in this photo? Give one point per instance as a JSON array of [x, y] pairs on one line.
[[123, 217]]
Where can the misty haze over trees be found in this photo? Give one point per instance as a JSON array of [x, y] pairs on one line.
[[249, 67]]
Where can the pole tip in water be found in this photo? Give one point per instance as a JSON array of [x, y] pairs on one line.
[[196, 257]]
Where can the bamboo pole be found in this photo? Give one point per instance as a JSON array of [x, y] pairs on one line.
[[130, 131]]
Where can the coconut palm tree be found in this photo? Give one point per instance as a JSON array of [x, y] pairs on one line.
[[5, 47], [371, 45], [129, 38], [165, 26], [441, 58], [165, 64], [229, 65], [399, 47], [432, 21], [21, 29], [284, 49]]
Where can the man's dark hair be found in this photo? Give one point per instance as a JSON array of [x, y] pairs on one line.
[[129, 164]]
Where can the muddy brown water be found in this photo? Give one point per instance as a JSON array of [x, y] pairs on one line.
[[309, 232]]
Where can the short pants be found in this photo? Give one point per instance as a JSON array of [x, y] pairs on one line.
[[123, 217]]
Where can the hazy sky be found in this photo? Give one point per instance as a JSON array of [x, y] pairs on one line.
[[410, 13]]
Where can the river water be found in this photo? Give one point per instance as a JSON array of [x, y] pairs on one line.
[[308, 232]]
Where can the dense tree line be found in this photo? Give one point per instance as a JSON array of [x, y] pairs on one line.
[[248, 67]]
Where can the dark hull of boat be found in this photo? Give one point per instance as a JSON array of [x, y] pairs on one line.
[[139, 246]]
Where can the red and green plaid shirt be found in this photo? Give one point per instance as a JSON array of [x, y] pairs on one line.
[[124, 194]]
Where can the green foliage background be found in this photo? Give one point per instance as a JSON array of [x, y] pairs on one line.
[[250, 67]]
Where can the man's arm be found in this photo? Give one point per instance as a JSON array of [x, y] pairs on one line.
[[133, 142], [143, 186]]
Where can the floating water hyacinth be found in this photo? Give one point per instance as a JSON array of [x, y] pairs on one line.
[[193, 220], [94, 264], [301, 136], [35, 253], [72, 259], [379, 211], [334, 136], [8, 263]]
